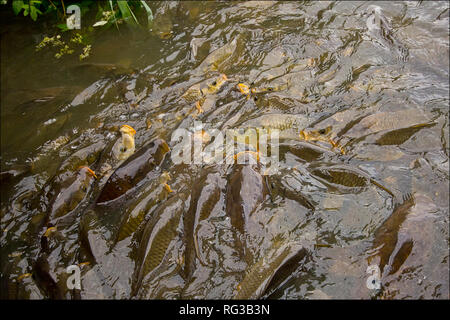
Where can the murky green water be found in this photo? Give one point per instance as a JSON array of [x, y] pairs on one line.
[[373, 104]]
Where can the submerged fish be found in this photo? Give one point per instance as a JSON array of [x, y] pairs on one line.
[[246, 189], [346, 177], [83, 157], [344, 127], [216, 58], [136, 215], [104, 68], [205, 196], [199, 91], [379, 29], [160, 231], [260, 275], [289, 126], [397, 137], [387, 121], [386, 236], [133, 170], [69, 197], [41, 270]]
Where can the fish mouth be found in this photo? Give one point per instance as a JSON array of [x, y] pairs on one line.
[[127, 129], [243, 88], [89, 170]]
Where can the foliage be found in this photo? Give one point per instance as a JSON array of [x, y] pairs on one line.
[[63, 47], [107, 13], [29, 7], [113, 12]]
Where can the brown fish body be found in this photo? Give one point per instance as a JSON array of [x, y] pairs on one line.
[[83, 157], [200, 91], [205, 196], [387, 235], [160, 231], [344, 178], [259, 276], [70, 196], [346, 126], [245, 191], [135, 215], [216, 58], [133, 170]]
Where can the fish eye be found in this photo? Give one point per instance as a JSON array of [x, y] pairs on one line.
[[214, 83], [269, 89], [322, 131], [255, 98]]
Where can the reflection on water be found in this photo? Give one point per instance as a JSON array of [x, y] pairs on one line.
[[363, 180]]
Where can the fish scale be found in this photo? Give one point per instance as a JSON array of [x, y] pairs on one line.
[[258, 277], [158, 235]]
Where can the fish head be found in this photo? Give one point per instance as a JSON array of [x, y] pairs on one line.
[[87, 171], [243, 88], [312, 134], [126, 129], [215, 85]]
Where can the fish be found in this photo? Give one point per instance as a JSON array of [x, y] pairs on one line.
[[341, 177], [345, 127], [380, 30], [216, 58], [347, 178], [83, 157], [160, 230], [103, 68], [259, 276], [397, 137], [246, 189], [136, 215], [288, 125], [69, 197], [189, 220], [45, 279], [133, 170], [205, 196], [381, 121], [124, 147], [278, 121], [200, 91], [386, 236]]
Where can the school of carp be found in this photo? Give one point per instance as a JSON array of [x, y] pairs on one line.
[[142, 227]]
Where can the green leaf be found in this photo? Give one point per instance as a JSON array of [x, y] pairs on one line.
[[33, 13], [149, 12], [63, 27], [126, 12], [17, 6], [112, 9]]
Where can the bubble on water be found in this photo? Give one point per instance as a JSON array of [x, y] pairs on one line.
[[123, 117], [135, 115]]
